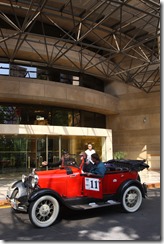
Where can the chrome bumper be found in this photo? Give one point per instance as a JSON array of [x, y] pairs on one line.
[[16, 205], [14, 202]]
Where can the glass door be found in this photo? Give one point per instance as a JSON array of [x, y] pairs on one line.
[[36, 152], [13, 156]]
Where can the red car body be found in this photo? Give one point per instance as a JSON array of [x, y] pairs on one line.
[[42, 193], [73, 185]]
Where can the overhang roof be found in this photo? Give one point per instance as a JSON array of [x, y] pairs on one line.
[[112, 40]]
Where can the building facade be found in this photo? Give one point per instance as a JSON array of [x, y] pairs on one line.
[[78, 72], [40, 118]]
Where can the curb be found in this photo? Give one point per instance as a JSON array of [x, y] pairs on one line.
[[153, 185], [4, 203]]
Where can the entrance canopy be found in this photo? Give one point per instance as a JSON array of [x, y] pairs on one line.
[[116, 40]]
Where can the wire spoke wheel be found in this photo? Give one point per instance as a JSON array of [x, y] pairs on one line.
[[44, 211], [132, 199]]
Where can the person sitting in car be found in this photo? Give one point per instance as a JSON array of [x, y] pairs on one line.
[[99, 167], [66, 160], [88, 165]]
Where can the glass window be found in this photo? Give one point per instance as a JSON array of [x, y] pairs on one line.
[[4, 69], [53, 150], [22, 71], [20, 153], [100, 121], [9, 115], [13, 153], [52, 74], [93, 120], [61, 117], [76, 118], [76, 144], [47, 115]]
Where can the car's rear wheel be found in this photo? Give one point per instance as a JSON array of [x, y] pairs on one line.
[[44, 211], [131, 199]]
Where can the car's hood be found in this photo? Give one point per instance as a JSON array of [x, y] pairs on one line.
[[59, 171]]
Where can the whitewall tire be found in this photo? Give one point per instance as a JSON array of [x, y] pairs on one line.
[[131, 199], [44, 211]]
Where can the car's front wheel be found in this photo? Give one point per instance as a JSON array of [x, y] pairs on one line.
[[131, 199], [44, 211]]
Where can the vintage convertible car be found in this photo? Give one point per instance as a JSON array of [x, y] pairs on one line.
[[43, 193]]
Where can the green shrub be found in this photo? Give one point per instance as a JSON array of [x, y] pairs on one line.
[[119, 155]]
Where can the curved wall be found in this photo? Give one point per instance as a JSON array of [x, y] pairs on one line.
[[23, 90], [126, 108]]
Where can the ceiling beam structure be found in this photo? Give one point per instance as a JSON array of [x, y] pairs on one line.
[[112, 40]]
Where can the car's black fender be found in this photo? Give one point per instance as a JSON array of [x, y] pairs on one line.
[[46, 191], [42, 192], [126, 184]]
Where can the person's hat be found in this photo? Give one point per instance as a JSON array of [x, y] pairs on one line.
[[65, 152], [82, 154]]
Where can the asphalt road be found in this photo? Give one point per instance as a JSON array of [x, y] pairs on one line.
[[94, 225]]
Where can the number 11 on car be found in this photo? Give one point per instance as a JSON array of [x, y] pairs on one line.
[[92, 184]]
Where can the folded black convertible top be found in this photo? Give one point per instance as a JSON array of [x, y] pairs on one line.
[[129, 164]]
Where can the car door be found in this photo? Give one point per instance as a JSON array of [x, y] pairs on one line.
[[92, 186]]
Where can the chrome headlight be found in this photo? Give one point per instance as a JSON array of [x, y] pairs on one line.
[[34, 181], [33, 171]]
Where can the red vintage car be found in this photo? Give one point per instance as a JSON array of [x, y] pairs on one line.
[[42, 193]]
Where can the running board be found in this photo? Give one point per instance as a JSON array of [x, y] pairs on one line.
[[92, 205]]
